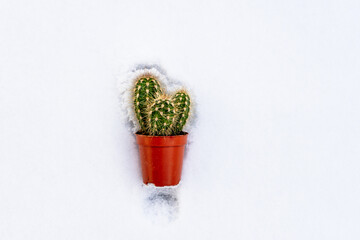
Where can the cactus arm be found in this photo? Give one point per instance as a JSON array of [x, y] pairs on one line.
[[161, 116], [146, 89], [182, 104]]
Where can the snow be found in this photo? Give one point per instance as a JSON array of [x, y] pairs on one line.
[[274, 151]]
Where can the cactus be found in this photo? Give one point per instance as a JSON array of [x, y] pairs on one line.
[[146, 89], [159, 114], [182, 104]]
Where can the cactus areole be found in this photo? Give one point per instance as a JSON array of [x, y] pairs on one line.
[[161, 138]]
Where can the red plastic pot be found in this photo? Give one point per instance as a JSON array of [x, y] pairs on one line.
[[161, 158]]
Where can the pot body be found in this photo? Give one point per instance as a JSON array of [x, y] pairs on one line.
[[161, 158]]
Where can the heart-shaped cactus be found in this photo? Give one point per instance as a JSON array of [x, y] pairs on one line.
[[159, 114]]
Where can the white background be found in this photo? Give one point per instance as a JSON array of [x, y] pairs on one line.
[[275, 151]]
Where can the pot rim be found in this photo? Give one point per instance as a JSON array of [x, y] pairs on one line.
[[161, 141]]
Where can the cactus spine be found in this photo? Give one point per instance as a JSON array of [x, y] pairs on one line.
[[146, 89], [159, 114]]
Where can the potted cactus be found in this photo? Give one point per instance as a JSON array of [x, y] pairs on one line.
[[161, 140]]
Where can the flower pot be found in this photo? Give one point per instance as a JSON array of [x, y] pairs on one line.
[[161, 158]]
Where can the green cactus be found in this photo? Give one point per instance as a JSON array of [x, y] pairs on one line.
[[182, 104], [161, 116], [158, 113], [147, 88]]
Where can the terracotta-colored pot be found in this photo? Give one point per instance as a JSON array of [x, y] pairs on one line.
[[161, 158]]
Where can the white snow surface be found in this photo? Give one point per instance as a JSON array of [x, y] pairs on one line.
[[274, 153]]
